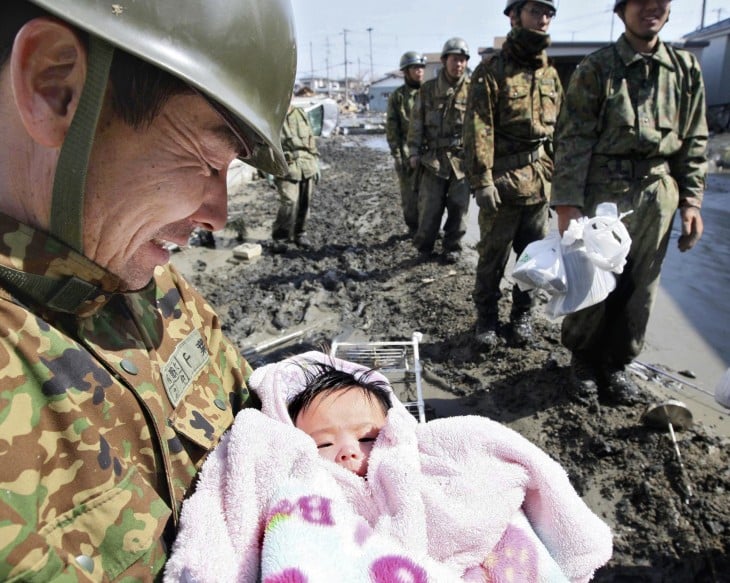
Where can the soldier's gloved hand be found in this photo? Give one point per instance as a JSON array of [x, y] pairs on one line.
[[414, 161], [692, 227], [488, 197], [398, 163], [317, 175]]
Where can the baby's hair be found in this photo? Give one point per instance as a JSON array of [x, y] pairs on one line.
[[324, 378]]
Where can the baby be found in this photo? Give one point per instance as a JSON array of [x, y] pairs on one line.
[[343, 413], [454, 499]]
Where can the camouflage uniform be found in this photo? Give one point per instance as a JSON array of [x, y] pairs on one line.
[[296, 187], [435, 134], [633, 132], [109, 404], [513, 106], [400, 104]]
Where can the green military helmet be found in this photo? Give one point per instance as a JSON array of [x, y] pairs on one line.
[[455, 46], [515, 3], [411, 58], [240, 53]]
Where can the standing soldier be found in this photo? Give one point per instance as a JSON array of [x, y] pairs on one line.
[[436, 153], [295, 188], [513, 104], [633, 132], [400, 105]]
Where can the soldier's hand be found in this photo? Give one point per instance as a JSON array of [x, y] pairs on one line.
[[565, 215], [488, 197], [398, 163], [414, 161], [692, 227]]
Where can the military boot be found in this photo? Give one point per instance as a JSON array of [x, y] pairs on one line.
[[584, 378], [620, 389], [521, 327], [485, 332]]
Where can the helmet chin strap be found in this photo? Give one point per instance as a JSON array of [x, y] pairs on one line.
[[69, 186]]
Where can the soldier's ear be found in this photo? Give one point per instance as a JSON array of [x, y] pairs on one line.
[[47, 71]]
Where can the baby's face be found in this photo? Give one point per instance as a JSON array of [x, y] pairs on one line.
[[344, 425]]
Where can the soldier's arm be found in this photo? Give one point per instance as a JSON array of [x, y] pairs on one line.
[[415, 126], [392, 126], [576, 134], [479, 129], [689, 164]]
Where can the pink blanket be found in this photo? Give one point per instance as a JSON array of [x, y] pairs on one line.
[[457, 499]]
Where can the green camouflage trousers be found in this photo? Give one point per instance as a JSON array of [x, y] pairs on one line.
[[510, 227], [435, 195], [408, 195], [294, 199], [613, 331]]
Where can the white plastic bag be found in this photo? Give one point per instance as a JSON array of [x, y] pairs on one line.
[[592, 251], [541, 265], [606, 238]]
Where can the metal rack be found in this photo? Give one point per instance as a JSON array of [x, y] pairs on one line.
[[398, 361]]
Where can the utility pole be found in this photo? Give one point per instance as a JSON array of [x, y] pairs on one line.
[[344, 33], [311, 66], [370, 38], [704, 7]]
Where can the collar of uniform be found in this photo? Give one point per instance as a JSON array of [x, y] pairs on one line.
[[443, 81], [629, 56], [28, 255]]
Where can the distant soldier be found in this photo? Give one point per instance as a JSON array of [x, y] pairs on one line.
[[436, 151], [513, 106], [400, 104], [633, 132], [295, 188]]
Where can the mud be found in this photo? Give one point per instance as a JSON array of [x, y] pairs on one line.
[[362, 280]]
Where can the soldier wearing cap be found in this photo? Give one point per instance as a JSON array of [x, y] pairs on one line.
[[436, 152], [513, 104], [633, 132], [119, 123], [400, 104]]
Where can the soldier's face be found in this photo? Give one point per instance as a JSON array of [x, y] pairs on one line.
[[415, 74], [645, 18], [455, 65], [152, 186], [536, 16]]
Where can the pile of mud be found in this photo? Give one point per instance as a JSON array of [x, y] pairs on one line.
[[363, 278]]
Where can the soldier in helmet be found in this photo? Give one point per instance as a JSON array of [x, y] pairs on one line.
[[119, 123], [513, 105], [634, 133], [436, 151], [400, 104]]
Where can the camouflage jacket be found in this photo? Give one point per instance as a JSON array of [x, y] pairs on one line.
[[437, 121], [512, 110], [106, 413], [400, 104], [300, 146], [622, 106]]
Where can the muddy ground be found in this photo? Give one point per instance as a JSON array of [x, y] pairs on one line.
[[362, 280]]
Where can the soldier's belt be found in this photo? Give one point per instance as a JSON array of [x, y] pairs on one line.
[[519, 160], [290, 156], [609, 168]]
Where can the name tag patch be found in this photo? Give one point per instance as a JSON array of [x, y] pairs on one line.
[[190, 356]]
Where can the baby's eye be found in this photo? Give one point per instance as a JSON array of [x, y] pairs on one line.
[[366, 439], [323, 445]]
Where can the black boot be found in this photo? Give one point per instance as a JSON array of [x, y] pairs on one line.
[[620, 389], [485, 332], [584, 378], [521, 327]]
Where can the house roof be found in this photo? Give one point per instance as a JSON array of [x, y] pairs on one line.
[[714, 30]]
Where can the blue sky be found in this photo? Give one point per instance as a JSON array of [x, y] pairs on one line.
[[424, 25]]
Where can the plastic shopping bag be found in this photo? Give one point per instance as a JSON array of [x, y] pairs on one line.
[[541, 265], [593, 250], [588, 284]]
